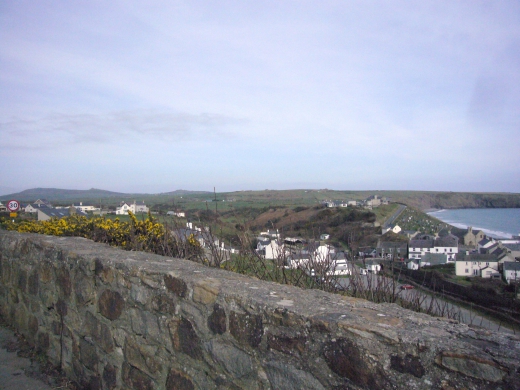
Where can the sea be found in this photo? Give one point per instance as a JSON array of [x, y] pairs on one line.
[[498, 223]]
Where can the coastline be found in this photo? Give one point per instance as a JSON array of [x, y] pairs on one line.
[[493, 222]]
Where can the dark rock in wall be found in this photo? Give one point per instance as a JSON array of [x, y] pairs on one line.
[[246, 328], [111, 304], [217, 320]]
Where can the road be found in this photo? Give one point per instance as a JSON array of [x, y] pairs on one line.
[[394, 216]]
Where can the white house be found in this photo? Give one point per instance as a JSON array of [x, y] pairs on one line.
[[396, 229], [372, 266], [472, 265], [180, 214], [324, 236], [135, 208], [512, 272], [84, 208], [448, 245], [271, 249]]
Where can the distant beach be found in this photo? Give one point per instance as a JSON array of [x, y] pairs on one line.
[[498, 223]]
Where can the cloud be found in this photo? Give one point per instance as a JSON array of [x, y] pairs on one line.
[[58, 129]]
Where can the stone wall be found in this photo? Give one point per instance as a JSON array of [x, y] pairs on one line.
[[114, 319]]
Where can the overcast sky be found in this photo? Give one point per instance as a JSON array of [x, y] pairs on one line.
[[154, 96]]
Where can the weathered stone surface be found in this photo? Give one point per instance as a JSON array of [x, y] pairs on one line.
[[110, 377], [62, 308], [217, 320], [63, 281], [34, 283], [33, 325], [142, 356], [348, 361], [246, 328], [287, 377], [472, 366], [163, 304], [135, 379], [144, 323], [88, 354], [104, 338], [408, 364], [291, 345], [176, 285], [206, 291], [22, 280], [84, 290], [178, 381], [185, 339], [43, 341], [111, 304], [236, 362], [140, 294], [106, 274]]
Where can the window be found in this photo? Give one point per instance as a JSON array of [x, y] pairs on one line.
[[466, 271], [475, 272], [436, 250], [487, 264], [450, 249]]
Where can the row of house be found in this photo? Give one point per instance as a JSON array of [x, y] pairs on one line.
[[369, 203]]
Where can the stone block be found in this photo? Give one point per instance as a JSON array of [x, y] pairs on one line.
[[136, 380], [206, 291], [111, 304], [287, 377], [407, 364], [185, 339], [88, 355], [246, 328], [109, 377], [349, 361], [63, 281], [176, 285], [473, 366], [178, 381], [34, 283], [235, 361], [217, 320]]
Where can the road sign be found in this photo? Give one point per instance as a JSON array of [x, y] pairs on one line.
[[13, 215], [13, 205]]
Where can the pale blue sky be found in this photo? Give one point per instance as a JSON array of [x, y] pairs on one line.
[[154, 96]]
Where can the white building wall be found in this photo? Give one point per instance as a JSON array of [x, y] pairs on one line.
[[473, 268]]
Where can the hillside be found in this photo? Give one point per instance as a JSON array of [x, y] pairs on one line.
[[421, 200]]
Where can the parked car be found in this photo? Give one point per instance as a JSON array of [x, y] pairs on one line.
[[407, 287]]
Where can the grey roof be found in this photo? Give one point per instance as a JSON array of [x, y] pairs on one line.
[[484, 241], [435, 258], [448, 240], [511, 266], [58, 213], [421, 243], [388, 245], [479, 257], [512, 247]]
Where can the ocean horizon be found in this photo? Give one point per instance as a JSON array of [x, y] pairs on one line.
[[497, 223]]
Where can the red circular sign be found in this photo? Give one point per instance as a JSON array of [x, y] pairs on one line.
[[13, 205]]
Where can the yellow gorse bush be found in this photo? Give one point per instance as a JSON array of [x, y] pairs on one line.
[[148, 235]]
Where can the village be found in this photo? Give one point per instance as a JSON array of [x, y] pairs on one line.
[[469, 254]]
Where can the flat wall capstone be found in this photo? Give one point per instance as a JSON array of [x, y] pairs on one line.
[[113, 319]]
